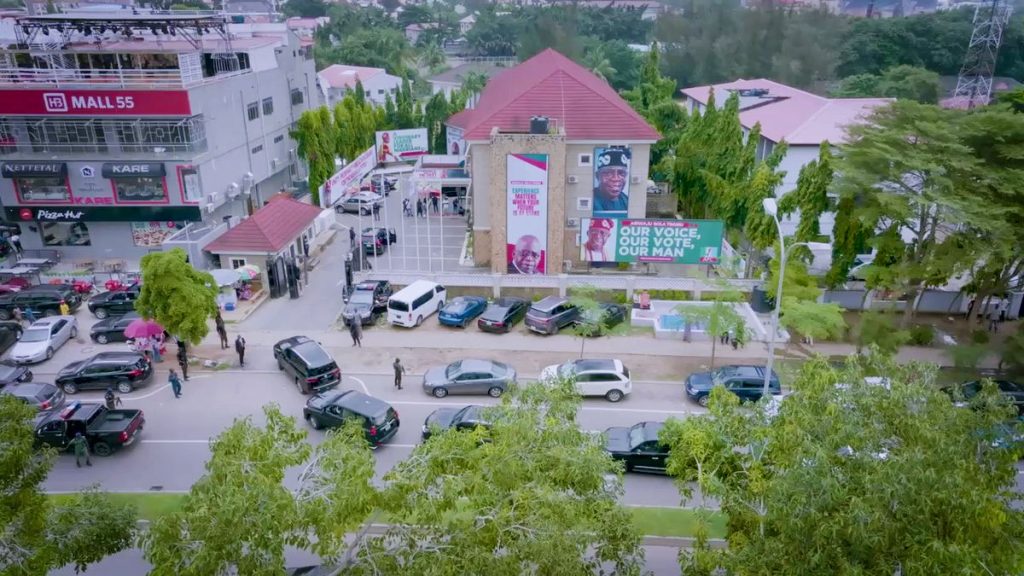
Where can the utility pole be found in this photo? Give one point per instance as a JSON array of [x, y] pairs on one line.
[[974, 84]]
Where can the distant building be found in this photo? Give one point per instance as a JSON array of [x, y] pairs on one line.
[[801, 119], [886, 8], [451, 80], [413, 31], [466, 24], [651, 9], [337, 79]]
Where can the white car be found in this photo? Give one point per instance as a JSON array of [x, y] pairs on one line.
[[594, 377], [40, 340], [360, 202]]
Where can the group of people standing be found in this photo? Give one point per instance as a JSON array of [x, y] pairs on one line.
[[423, 206]]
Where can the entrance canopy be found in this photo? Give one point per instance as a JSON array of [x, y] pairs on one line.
[[432, 173]]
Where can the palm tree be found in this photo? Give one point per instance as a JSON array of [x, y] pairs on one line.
[[432, 57], [474, 82], [598, 63]]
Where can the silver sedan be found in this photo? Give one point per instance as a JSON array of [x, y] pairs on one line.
[[42, 338], [469, 377]]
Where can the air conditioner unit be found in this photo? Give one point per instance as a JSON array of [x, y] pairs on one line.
[[634, 179], [573, 179], [572, 222], [210, 208]]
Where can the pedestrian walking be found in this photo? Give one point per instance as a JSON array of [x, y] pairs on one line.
[[175, 383], [65, 310], [356, 327], [399, 370], [352, 237], [30, 317], [81, 447], [183, 360], [406, 207], [240, 348], [222, 331], [723, 338], [16, 244], [154, 345], [376, 211], [435, 202], [993, 321], [111, 400], [19, 316]]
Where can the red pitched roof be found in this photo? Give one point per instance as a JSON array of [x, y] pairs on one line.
[[269, 230], [551, 85]]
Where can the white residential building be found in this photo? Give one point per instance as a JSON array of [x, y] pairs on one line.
[[337, 79]]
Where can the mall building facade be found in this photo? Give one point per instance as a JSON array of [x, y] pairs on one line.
[[117, 130]]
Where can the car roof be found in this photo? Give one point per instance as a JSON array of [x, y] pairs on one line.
[[742, 370], [508, 301], [651, 429], [293, 341], [113, 357], [370, 284], [312, 353], [359, 403], [475, 365], [26, 388], [598, 365], [45, 322], [548, 303]]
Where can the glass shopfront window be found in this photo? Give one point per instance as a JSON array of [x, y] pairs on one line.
[[43, 189], [65, 234], [153, 234], [142, 189]]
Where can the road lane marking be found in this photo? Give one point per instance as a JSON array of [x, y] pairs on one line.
[[361, 383], [477, 400]]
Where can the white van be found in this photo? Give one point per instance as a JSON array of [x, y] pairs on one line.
[[415, 302]]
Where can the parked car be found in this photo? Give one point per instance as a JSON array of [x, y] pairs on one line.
[[11, 373], [333, 408], [43, 338], [309, 365], [65, 291], [9, 334], [966, 391], [380, 289], [105, 430], [41, 303], [594, 377], [376, 240], [360, 202], [599, 320], [503, 314], [362, 306], [41, 395], [111, 328], [469, 377], [114, 302], [125, 371], [458, 418], [745, 381], [551, 314], [637, 447], [461, 310]]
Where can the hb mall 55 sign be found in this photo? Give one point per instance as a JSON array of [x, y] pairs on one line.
[[95, 102]]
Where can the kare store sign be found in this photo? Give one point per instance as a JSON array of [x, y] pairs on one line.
[[95, 102]]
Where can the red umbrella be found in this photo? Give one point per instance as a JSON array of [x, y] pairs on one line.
[[142, 328]]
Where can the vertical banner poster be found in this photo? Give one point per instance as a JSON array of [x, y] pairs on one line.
[[456, 141], [611, 181], [526, 230]]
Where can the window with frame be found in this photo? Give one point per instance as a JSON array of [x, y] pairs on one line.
[[191, 186], [268, 106], [7, 143], [43, 189], [65, 234], [278, 138], [237, 263], [297, 97], [585, 160], [252, 109], [140, 189], [257, 149]]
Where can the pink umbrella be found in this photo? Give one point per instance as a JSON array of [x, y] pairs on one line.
[[142, 328]]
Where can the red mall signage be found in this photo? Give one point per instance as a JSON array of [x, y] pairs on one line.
[[95, 102]]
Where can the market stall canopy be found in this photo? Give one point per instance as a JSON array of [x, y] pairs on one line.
[[247, 272], [142, 328]]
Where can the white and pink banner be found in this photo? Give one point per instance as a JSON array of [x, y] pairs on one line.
[[526, 230], [346, 181]]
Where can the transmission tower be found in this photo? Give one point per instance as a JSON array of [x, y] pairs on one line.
[[974, 84]]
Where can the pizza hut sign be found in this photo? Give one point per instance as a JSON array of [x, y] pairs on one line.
[[53, 215]]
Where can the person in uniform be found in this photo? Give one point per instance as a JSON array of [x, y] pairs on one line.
[[611, 197], [597, 236], [81, 447], [526, 256]]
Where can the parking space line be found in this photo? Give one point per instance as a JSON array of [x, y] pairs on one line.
[[361, 383]]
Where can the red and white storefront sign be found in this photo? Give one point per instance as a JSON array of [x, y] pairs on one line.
[[95, 102]]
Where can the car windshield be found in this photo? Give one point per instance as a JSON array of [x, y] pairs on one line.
[[37, 335], [362, 297], [636, 436], [567, 369], [453, 369], [457, 306]]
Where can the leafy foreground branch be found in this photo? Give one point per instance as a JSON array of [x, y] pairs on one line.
[[533, 494]]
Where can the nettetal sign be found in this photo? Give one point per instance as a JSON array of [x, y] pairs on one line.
[[103, 214], [133, 170], [30, 169]]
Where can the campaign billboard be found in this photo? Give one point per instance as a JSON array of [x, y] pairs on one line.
[[401, 145], [670, 241], [455, 139], [346, 181], [526, 230], [611, 181]]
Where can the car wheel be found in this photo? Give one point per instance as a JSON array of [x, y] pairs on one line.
[[49, 353], [124, 387], [314, 422], [419, 320], [69, 388], [5, 315], [703, 401], [302, 386], [102, 338], [629, 467], [439, 306], [50, 313], [102, 449], [495, 392], [280, 366], [614, 395], [101, 313], [439, 392]]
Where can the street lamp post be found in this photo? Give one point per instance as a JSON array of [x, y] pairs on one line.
[[771, 208]]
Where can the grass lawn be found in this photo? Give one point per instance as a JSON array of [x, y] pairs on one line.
[[649, 521]]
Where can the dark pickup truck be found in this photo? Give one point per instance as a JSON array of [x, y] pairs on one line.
[[105, 430]]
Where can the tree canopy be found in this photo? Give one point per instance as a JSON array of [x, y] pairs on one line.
[[176, 295], [907, 82]]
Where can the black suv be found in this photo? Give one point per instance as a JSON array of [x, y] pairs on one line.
[[551, 315], [10, 332], [376, 240], [125, 371], [40, 302], [333, 408], [114, 302], [11, 373], [381, 290], [1012, 391], [368, 300], [65, 291], [745, 381], [308, 363]]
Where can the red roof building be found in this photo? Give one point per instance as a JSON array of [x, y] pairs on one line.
[[269, 230]]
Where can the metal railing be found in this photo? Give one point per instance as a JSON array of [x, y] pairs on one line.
[[104, 78], [102, 136]]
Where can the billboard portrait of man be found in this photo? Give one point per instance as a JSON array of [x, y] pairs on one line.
[[385, 153], [527, 256], [611, 181], [597, 248]]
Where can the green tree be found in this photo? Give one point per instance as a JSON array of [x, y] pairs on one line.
[[718, 317], [598, 63], [810, 198], [39, 534], [494, 34], [239, 517], [801, 312], [810, 485], [317, 141], [432, 57], [594, 323], [375, 47], [905, 82], [305, 8], [176, 295], [877, 331]]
